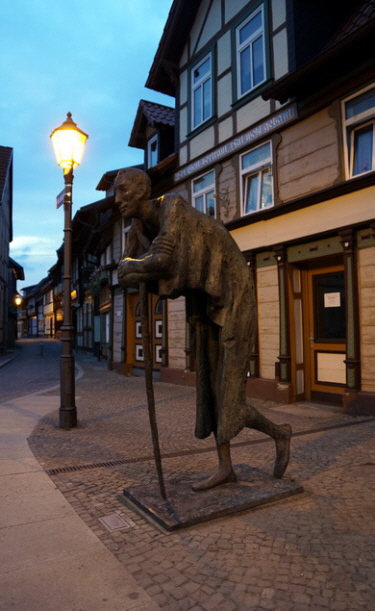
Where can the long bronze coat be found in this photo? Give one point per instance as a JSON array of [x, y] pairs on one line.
[[207, 267]]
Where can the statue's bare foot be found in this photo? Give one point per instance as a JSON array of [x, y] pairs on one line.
[[282, 451], [217, 479]]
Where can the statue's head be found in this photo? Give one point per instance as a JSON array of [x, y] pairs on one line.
[[133, 187]]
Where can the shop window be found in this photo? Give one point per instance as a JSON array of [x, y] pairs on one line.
[[256, 179], [203, 190], [201, 92], [359, 132], [153, 151], [250, 42]]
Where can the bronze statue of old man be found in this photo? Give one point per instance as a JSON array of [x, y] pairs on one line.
[[177, 250]]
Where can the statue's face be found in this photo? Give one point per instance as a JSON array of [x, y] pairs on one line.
[[128, 198]]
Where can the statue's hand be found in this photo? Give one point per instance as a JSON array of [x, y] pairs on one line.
[[124, 269]]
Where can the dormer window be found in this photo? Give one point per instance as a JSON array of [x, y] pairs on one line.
[[153, 151]]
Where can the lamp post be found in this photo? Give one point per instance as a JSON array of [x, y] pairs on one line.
[[68, 143]]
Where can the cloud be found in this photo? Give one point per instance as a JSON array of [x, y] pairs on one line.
[[24, 244]]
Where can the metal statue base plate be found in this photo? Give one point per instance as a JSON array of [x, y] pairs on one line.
[[184, 507]]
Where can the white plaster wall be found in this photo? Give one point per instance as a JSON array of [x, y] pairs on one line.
[[184, 87], [224, 95], [280, 54], [224, 53], [201, 143], [268, 320], [212, 25], [342, 211], [183, 124], [225, 129], [252, 112], [196, 29], [278, 13], [232, 7], [183, 155]]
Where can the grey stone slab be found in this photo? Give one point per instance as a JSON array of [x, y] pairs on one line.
[[13, 446], [37, 506], [16, 465], [22, 484], [184, 508], [90, 581], [23, 545]]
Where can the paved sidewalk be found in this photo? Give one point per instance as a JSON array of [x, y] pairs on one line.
[[314, 551], [50, 559]]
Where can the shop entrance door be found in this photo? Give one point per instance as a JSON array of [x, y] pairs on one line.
[[325, 333]]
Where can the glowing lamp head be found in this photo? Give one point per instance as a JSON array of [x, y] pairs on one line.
[[18, 300], [68, 142]]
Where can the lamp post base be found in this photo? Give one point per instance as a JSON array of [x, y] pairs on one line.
[[68, 417], [68, 409]]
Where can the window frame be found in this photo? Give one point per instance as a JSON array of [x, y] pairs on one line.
[[150, 142], [252, 171], [204, 192], [238, 48], [351, 127], [203, 58]]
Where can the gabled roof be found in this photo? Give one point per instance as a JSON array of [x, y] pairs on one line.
[[338, 61], [17, 269], [360, 18], [164, 68], [152, 114], [6, 154], [107, 180]]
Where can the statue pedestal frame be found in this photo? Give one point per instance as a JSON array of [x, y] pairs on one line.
[[184, 507]]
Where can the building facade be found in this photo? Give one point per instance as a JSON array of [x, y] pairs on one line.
[[273, 134], [275, 137]]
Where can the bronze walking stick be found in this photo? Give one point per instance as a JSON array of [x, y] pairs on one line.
[[143, 295]]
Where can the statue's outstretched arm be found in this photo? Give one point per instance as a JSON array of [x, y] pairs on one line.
[[156, 263]]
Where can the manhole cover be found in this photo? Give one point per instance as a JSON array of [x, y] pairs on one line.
[[116, 522]]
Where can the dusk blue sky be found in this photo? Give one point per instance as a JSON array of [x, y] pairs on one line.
[[91, 59]]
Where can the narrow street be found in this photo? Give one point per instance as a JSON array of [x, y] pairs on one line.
[[35, 366], [312, 551]]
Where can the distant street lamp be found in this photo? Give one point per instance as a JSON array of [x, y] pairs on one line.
[[69, 144]]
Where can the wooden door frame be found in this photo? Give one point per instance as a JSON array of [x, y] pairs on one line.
[[311, 386]]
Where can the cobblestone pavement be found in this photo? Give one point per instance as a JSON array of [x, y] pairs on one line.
[[312, 551]]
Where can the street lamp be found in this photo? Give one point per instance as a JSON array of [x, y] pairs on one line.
[[69, 144]]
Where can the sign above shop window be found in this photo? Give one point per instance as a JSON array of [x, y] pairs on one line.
[[272, 124]]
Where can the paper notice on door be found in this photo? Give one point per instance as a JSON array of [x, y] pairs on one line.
[[332, 300]]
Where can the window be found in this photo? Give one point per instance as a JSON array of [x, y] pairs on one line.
[[201, 92], [203, 193], [250, 51], [256, 178], [359, 132], [153, 151], [125, 228]]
